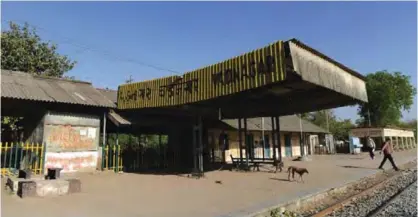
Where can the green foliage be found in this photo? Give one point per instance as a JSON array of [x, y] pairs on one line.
[[275, 213], [11, 122], [10, 127], [126, 140], [388, 94], [23, 50], [339, 128]]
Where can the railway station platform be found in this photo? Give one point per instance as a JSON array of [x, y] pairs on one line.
[[239, 194]]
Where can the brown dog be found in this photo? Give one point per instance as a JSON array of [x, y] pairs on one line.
[[300, 171]]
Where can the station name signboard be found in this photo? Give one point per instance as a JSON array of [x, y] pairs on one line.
[[251, 70]]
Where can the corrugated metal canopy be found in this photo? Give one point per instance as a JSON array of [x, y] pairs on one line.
[[24, 86], [317, 68], [117, 119], [287, 124], [309, 81]]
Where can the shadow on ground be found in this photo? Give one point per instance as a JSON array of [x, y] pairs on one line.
[[357, 158], [357, 167], [282, 180]]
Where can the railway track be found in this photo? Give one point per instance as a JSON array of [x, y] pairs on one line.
[[385, 210], [373, 200]]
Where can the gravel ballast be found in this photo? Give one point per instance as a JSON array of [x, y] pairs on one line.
[[366, 204], [388, 181], [404, 205]]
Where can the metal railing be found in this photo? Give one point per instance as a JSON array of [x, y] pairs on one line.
[[112, 158], [14, 154]]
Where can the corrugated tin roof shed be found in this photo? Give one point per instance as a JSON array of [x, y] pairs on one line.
[[287, 124], [110, 94], [116, 118], [24, 86]]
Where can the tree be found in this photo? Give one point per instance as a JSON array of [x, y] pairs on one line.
[[23, 50], [326, 118], [388, 94], [319, 118], [341, 128]]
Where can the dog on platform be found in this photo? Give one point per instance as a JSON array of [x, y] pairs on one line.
[[292, 170], [279, 165]]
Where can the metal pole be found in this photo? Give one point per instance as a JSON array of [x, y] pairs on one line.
[[117, 148], [104, 129], [327, 142], [279, 141], [194, 149], [200, 133], [302, 145], [273, 135], [262, 136], [240, 140], [327, 117], [160, 150], [247, 148]]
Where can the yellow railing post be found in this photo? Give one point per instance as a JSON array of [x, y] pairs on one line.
[[120, 167], [106, 157], [114, 157], [31, 154], [1, 153], [41, 163], [121, 163], [37, 165], [27, 149], [3, 170]]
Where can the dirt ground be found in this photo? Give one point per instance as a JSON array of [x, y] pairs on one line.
[[240, 194]]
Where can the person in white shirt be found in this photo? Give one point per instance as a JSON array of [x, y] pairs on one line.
[[371, 146]]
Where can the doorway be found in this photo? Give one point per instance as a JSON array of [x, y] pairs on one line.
[[266, 146], [250, 143], [288, 144]]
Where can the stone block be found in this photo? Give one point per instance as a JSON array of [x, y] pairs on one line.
[[13, 183], [74, 186], [26, 189], [26, 174], [54, 187]]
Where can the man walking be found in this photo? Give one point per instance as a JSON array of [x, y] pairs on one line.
[[387, 154], [371, 146]]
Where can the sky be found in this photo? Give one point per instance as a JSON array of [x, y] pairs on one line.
[[112, 41]]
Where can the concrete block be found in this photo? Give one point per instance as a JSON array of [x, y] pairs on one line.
[[26, 189], [74, 186], [55, 187], [13, 182]]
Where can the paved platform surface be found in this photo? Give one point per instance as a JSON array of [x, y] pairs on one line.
[[131, 195]]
